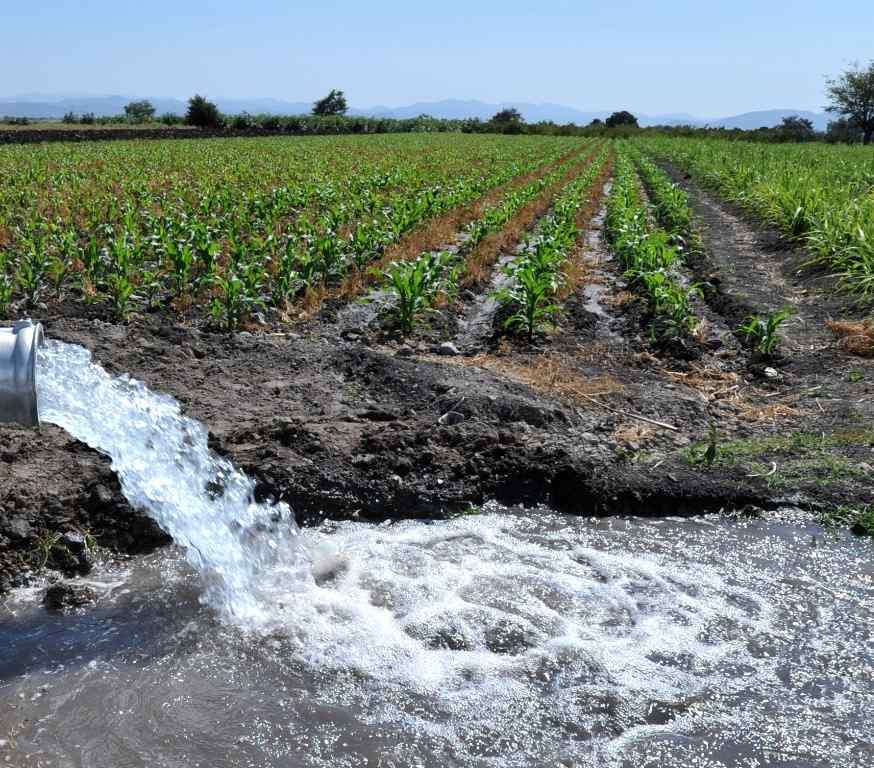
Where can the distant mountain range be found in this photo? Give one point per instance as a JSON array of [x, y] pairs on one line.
[[56, 105]]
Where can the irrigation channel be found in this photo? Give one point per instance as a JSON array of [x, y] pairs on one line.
[[507, 638]]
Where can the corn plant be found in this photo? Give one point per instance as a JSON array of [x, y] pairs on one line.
[[761, 331], [414, 283], [536, 274], [150, 287], [531, 296], [120, 290], [231, 304]]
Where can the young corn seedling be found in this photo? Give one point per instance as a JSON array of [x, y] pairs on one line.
[[229, 306], [761, 331], [414, 284], [5, 290], [121, 290], [531, 297]]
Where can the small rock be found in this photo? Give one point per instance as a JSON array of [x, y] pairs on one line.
[[101, 495], [259, 318], [403, 466], [64, 595], [772, 373], [364, 460], [714, 344], [450, 418], [405, 351], [73, 541], [19, 528], [448, 348], [378, 414]]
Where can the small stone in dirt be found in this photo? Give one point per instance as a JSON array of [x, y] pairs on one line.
[[259, 318], [448, 348], [64, 595], [405, 351], [378, 414], [714, 344], [450, 418], [73, 541], [772, 373], [364, 460]]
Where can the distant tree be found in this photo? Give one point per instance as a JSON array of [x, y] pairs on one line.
[[621, 118], [243, 122], [852, 96], [139, 111], [508, 121], [596, 122], [202, 113], [843, 131], [511, 115], [333, 104], [795, 128], [168, 118], [70, 117], [88, 118]]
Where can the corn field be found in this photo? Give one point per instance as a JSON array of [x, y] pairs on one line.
[[230, 225], [817, 195]]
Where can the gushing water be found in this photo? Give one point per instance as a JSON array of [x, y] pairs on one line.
[[165, 466]]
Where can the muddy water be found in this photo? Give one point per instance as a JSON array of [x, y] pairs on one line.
[[502, 639], [507, 638]]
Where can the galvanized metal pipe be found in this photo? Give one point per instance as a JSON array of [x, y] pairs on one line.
[[18, 346]]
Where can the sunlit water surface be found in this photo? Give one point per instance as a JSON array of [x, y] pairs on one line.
[[510, 638]]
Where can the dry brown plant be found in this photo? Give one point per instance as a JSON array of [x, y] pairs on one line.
[[856, 338]]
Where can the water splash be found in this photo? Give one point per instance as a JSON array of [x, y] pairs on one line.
[[165, 466]]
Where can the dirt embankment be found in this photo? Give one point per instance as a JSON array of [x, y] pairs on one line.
[[339, 418]]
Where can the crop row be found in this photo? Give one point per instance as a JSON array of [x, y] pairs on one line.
[[650, 256], [537, 274], [821, 196], [137, 223], [418, 282]]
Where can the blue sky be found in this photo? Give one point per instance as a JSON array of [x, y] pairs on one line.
[[701, 57]]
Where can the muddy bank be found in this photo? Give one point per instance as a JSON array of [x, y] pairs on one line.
[[54, 493]]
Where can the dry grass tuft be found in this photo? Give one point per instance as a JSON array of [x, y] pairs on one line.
[[710, 382], [634, 434], [548, 373], [769, 413], [854, 338], [620, 298]]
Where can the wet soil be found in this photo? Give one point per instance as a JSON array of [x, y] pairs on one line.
[[340, 419]]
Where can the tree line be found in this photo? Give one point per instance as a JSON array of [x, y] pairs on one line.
[[851, 100]]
